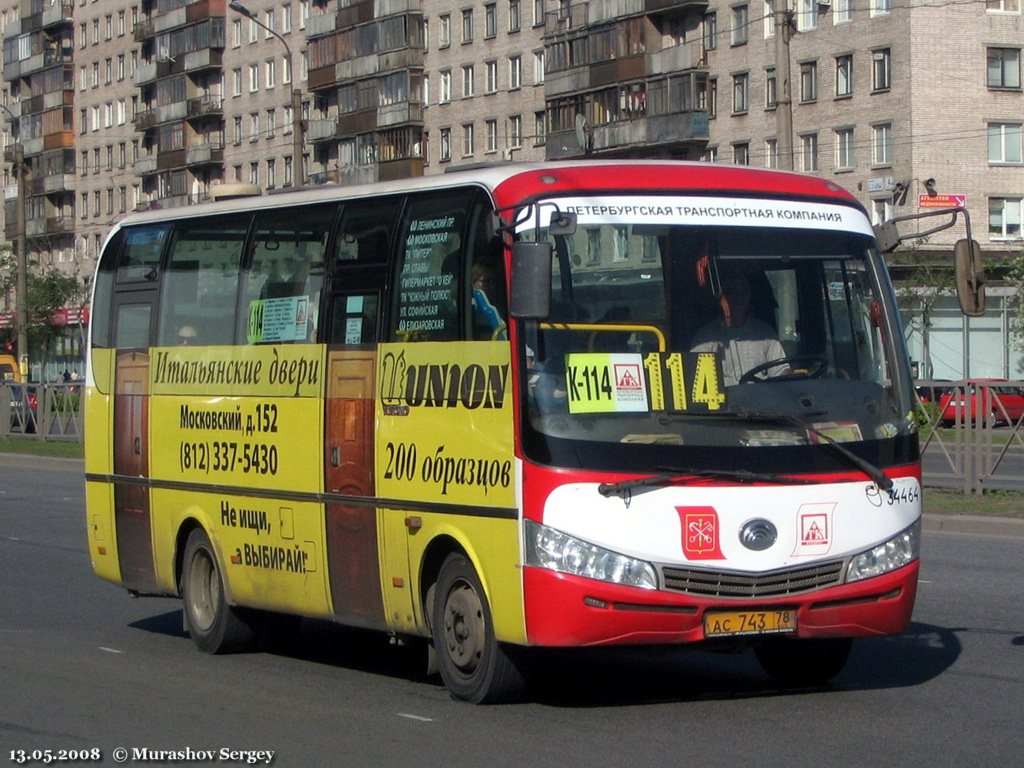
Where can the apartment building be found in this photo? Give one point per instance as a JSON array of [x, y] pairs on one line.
[[911, 106]]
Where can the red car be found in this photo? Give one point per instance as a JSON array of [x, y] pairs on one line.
[[966, 400]]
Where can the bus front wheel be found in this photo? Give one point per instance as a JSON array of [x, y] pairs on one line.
[[215, 626], [803, 662], [473, 665]]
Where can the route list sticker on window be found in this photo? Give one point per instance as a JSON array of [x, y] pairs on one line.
[[605, 383]]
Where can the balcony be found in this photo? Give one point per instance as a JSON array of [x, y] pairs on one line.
[[52, 183], [633, 138], [146, 165], [143, 30], [145, 120], [205, 154], [57, 14], [204, 106]]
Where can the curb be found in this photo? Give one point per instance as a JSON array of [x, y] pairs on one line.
[[975, 524]]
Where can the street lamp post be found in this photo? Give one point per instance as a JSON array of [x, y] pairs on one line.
[[297, 141], [21, 257]]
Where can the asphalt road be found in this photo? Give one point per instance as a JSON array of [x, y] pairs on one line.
[[83, 666]]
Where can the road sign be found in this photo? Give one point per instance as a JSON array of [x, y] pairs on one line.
[[941, 201]]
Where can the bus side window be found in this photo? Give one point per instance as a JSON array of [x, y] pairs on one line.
[[282, 286], [431, 260], [140, 257], [200, 280]]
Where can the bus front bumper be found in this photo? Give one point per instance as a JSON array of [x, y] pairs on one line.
[[566, 611]]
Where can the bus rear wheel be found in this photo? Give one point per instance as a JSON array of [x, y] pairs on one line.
[[473, 665], [803, 662], [215, 626]]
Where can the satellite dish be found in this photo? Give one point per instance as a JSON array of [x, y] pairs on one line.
[[583, 134]]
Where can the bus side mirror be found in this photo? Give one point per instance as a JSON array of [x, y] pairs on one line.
[[969, 275], [531, 280]]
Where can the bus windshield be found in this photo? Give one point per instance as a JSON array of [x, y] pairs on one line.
[[676, 334]]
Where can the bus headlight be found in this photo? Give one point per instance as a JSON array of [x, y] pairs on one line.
[[900, 550], [549, 548]]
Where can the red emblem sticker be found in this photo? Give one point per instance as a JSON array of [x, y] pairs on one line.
[[700, 533], [814, 529], [628, 377]]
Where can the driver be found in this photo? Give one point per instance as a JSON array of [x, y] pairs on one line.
[[742, 342]]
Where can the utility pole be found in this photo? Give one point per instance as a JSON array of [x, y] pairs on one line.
[[17, 158], [783, 89]]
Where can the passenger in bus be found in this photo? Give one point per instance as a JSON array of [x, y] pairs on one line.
[[741, 341], [487, 320]]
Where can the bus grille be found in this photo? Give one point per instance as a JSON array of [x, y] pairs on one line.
[[732, 584]]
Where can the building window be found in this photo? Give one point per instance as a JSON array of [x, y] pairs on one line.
[[490, 20], [842, 11], [809, 81], [236, 82], [807, 15], [740, 91], [769, 19], [538, 66], [445, 145], [445, 94], [844, 149], [771, 153], [271, 173], [1002, 6], [881, 7], [271, 123], [468, 140], [254, 126], [1003, 69], [809, 152], [490, 76], [710, 31], [238, 129], [467, 80], [739, 25], [771, 98], [515, 72], [741, 154], [1004, 215], [881, 210], [538, 12], [514, 20], [467, 26], [491, 129], [286, 18], [881, 70], [271, 73], [254, 78], [515, 131], [539, 128], [881, 144], [444, 31], [1004, 143], [844, 75]]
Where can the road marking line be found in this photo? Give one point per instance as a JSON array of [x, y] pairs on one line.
[[110, 650], [416, 717]]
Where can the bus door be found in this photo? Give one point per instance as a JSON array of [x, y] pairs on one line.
[[352, 545], [358, 277], [132, 320]]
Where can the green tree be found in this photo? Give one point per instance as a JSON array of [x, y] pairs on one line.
[[48, 290], [1015, 300]]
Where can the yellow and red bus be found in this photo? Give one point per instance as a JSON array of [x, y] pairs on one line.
[[470, 408]]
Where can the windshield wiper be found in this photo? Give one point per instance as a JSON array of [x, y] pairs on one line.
[[680, 474], [869, 469]]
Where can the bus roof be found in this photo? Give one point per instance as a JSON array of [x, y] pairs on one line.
[[512, 182]]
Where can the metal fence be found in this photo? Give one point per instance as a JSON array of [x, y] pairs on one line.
[[973, 438], [41, 411]]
